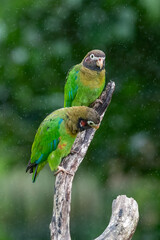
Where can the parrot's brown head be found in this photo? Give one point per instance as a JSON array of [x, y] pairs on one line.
[[81, 118], [94, 60], [88, 119]]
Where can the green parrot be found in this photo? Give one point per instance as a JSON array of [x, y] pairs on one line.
[[56, 134], [85, 81]]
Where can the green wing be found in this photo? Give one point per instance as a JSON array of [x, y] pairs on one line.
[[71, 85], [46, 141]]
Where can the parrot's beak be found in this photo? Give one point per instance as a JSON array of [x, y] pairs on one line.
[[96, 126], [99, 63]]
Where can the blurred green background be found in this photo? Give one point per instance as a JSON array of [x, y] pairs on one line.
[[39, 42]]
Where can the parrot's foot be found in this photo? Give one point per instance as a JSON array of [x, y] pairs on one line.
[[61, 169], [99, 101]]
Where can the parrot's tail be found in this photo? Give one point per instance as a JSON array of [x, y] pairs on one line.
[[32, 167]]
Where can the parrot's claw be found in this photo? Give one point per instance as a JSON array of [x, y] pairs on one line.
[[61, 169], [99, 101]]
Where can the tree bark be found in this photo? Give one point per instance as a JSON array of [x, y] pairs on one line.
[[60, 223]]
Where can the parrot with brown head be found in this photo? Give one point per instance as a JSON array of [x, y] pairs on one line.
[[56, 135], [85, 81]]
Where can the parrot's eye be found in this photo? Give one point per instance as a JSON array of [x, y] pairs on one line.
[[92, 56], [90, 123]]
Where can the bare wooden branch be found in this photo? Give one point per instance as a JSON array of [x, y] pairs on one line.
[[60, 223], [123, 221]]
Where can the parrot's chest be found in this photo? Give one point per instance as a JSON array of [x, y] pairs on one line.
[[86, 96], [66, 141], [92, 79], [90, 86]]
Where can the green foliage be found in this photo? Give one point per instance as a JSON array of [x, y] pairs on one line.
[[39, 42]]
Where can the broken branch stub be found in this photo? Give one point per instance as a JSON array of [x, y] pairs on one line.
[[123, 221]]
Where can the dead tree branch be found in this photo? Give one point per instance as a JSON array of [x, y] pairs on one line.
[[60, 223], [123, 221]]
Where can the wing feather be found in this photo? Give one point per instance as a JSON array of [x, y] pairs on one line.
[[71, 86]]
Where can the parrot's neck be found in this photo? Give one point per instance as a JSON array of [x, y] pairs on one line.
[[92, 78], [72, 128], [72, 116], [71, 123]]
